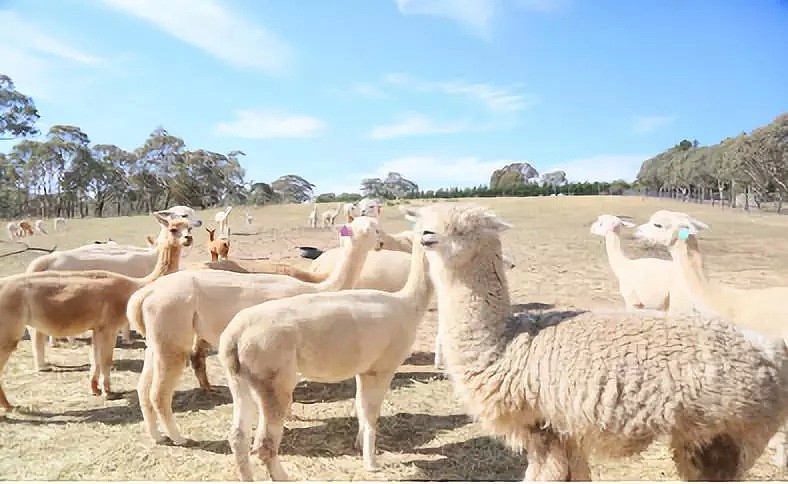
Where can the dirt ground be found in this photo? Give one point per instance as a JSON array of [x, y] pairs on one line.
[[60, 431]]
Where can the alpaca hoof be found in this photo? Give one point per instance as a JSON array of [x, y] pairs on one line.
[[372, 468], [95, 389], [112, 395], [45, 368]]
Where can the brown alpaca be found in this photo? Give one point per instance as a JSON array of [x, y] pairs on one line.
[[25, 228], [64, 303], [219, 247]]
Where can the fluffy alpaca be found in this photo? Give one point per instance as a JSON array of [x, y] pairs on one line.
[[127, 260], [761, 310], [350, 211], [39, 227], [313, 217], [326, 337], [221, 218], [13, 230], [643, 283], [57, 223], [564, 384], [183, 312], [219, 248], [64, 303]]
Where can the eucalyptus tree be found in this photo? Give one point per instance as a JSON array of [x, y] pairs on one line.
[[18, 113]]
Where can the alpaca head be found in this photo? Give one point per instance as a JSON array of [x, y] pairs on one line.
[[181, 212], [605, 224], [664, 225], [210, 233], [454, 235], [364, 231], [178, 230]]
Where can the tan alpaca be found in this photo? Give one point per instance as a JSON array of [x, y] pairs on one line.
[[183, 312], [326, 337], [762, 310], [329, 216], [71, 302], [151, 242], [565, 383], [25, 228], [219, 248]]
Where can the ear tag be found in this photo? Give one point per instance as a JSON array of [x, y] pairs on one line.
[[684, 233], [345, 231]]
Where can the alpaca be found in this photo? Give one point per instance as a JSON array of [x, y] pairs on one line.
[[351, 211], [39, 227], [643, 283], [25, 228], [219, 248], [64, 303], [109, 256], [325, 337], [183, 312], [266, 267], [761, 310], [565, 383], [313, 217], [329, 216], [221, 219], [57, 223], [249, 219], [13, 230]]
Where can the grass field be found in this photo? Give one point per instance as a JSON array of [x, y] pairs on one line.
[[60, 431]]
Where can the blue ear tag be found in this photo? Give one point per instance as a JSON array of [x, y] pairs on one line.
[[684, 233]]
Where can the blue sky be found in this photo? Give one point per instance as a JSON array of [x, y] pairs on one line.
[[443, 91]]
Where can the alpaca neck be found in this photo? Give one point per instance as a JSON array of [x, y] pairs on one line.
[[615, 256], [167, 262], [473, 312], [347, 272], [418, 287], [686, 255]]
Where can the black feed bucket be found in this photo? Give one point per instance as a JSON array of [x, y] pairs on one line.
[[310, 252]]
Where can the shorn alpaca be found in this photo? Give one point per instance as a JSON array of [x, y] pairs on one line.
[[57, 223], [762, 310], [13, 230], [329, 216], [127, 260], [221, 218], [219, 248], [563, 384], [643, 283], [25, 228], [182, 312], [313, 217], [63, 303], [326, 337], [39, 227]]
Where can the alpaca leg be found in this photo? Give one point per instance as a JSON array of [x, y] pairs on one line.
[[241, 428], [143, 395], [275, 397], [579, 470], [372, 388], [717, 459], [779, 442], [94, 365], [6, 348], [438, 351], [125, 333], [548, 458], [197, 360], [166, 371], [39, 340], [104, 343]]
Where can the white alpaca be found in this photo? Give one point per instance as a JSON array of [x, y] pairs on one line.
[[184, 310], [249, 219], [39, 227], [121, 259], [326, 337], [643, 283], [762, 310], [351, 210], [329, 216], [13, 230], [565, 383], [313, 217], [221, 218], [57, 223]]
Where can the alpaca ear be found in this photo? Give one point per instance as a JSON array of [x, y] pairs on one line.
[[493, 222], [164, 213], [698, 225], [345, 231], [162, 219], [627, 224], [411, 214]]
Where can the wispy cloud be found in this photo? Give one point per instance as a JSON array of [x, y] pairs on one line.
[[215, 29], [648, 124], [414, 124], [266, 124], [492, 97], [602, 167], [31, 56], [475, 15]]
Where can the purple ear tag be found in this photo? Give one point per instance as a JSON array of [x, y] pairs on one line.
[[345, 231]]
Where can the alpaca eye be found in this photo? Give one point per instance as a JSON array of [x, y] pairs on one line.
[[173, 231]]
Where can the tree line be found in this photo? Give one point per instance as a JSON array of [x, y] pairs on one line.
[[748, 168]]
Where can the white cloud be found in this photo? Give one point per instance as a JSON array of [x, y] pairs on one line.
[[214, 29], [476, 15], [414, 124], [601, 167], [17, 30], [494, 98], [265, 124], [648, 124]]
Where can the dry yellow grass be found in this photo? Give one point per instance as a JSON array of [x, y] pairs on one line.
[[62, 432]]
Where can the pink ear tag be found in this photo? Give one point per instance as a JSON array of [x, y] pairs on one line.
[[345, 231]]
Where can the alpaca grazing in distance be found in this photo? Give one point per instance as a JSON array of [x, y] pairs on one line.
[[563, 384], [64, 303], [326, 337], [182, 313]]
